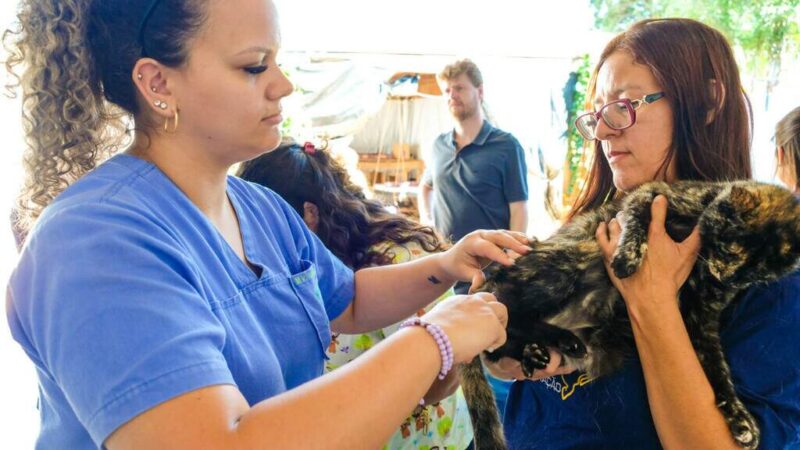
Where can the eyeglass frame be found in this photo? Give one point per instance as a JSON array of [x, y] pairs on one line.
[[631, 105]]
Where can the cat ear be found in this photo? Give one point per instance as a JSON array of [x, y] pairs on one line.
[[724, 269]]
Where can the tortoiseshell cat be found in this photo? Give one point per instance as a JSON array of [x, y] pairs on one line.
[[559, 295]]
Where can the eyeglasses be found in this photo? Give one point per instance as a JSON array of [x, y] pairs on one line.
[[618, 115]]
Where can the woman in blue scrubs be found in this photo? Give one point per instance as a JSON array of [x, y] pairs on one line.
[[166, 305], [684, 117]]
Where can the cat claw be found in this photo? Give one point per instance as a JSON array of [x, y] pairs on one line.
[[534, 357], [572, 347]]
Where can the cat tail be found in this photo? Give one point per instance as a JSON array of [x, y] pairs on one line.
[[486, 426]]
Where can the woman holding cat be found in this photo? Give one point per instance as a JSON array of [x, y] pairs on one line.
[[362, 233], [166, 305], [668, 105]]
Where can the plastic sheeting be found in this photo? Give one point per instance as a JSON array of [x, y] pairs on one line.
[[415, 121]]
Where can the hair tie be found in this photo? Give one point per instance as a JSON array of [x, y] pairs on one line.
[[309, 148]]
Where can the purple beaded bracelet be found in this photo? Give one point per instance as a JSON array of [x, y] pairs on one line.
[[445, 348]]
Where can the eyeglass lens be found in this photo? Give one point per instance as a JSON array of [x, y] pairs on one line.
[[617, 115]]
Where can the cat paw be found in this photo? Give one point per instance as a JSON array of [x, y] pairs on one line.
[[534, 357], [626, 260], [571, 346]]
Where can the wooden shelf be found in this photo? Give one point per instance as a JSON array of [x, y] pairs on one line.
[[400, 170]]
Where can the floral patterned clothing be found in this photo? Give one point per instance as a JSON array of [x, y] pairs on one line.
[[440, 426]]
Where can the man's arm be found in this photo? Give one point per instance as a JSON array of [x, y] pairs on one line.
[[425, 214], [518, 216]]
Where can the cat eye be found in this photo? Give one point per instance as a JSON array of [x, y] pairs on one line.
[[618, 115]]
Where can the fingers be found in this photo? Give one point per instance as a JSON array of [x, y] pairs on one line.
[[520, 237], [507, 240], [512, 254], [505, 368], [604, 240], [498, 308], [488, 250], [614, 231], [485, 296], [692, 243], [501, 312], [658, 213], [552, 366], [511, 369], [477, 281], [501, 339]]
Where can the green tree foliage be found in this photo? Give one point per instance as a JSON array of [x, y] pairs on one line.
[[764, 30], [575, 98]]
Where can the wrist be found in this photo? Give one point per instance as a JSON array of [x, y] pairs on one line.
[[653, 298], [442, 262], [426, 350], [442, 341], [646, 312]]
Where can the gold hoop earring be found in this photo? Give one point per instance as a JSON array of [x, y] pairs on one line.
[[175, 127]]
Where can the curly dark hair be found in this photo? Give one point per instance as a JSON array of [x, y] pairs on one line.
[[349, 223], [73, 61]]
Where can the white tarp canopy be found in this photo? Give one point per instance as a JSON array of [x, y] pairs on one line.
[[446, 27]]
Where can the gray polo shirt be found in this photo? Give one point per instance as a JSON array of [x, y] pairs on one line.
[[473, 187]]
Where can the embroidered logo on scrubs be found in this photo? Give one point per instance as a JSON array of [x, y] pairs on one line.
[[564, 387], [308, 275], [305, 276]]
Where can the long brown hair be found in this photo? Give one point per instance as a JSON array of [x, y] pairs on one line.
[[350, 225], [787, 135], [712, 120]]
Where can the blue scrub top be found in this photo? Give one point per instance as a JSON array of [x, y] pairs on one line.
[[760, 335], [126, 296]]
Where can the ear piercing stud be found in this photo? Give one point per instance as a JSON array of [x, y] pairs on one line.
[[160, 104], [139, 76]]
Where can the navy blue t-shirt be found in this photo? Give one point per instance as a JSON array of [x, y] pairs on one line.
[[473, 187], [761, 339]]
